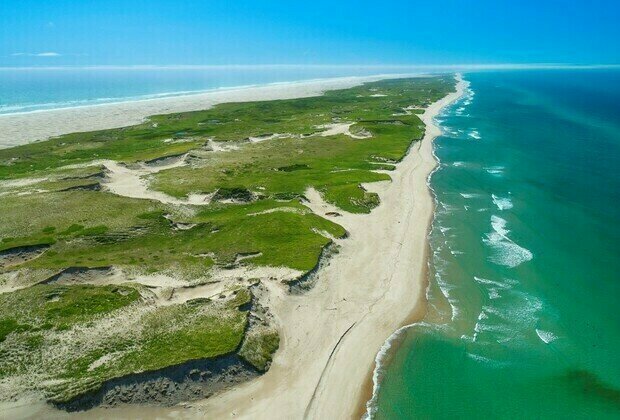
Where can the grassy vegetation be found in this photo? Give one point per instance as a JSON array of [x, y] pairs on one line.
[[284, 167], [169, 336], [259, 347], [60, 307], [67, 216], [96, 228], [136, 234], [156, 337], [65, 340]]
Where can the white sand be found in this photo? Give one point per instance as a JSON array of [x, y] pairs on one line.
[[132, 182], [342, 128], [21, 128], [331, 334]]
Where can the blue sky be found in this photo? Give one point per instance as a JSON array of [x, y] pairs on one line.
[[165, 32]]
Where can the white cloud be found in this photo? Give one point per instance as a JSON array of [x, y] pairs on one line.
[[41, 54]]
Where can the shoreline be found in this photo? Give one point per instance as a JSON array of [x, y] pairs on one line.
[[25, 127], [367, 406]]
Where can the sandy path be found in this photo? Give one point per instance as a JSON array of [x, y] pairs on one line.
[[21, 128]]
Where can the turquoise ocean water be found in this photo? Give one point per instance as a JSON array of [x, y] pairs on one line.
[[524, 295]]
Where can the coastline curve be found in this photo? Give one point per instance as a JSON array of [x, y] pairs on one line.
[[389, 346]]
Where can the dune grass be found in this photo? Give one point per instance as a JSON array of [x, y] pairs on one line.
[[41, 318]]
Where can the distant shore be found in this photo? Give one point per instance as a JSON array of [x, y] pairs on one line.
[[26, 127]]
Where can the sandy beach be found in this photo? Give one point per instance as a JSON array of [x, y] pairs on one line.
[[330, 335], [21, 128]]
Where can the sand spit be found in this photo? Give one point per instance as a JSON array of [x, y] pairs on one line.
[[330, 335], [21, 128], [373, 286], [368, 290]]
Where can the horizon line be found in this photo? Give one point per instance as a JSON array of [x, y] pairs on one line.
[[497, 66]]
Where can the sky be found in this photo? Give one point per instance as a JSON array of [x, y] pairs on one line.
[[388, 32]]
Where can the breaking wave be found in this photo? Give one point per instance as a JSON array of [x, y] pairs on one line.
[[502, 203], [504, 250]]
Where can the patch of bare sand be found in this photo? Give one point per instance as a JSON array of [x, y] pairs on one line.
[[343, 128], [133, 182]]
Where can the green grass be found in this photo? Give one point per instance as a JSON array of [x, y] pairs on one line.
[[258, 348], [284, 239], [63, 216], [35, 321], [169, 336], [60, 307], [10, 325]]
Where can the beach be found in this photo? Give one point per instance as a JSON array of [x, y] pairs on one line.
[[22, 128], [330, 335]]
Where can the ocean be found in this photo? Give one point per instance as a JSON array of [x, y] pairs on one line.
[[32, 89], [522, 319]]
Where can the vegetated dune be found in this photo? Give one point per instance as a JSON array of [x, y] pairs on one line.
[[155, 264]]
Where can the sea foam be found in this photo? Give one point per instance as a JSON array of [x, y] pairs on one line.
[[546, 336], [495, 170], [505, 251], [502, 203], [507, 284]]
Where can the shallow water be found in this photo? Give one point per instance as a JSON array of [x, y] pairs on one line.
[[522, 319]]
